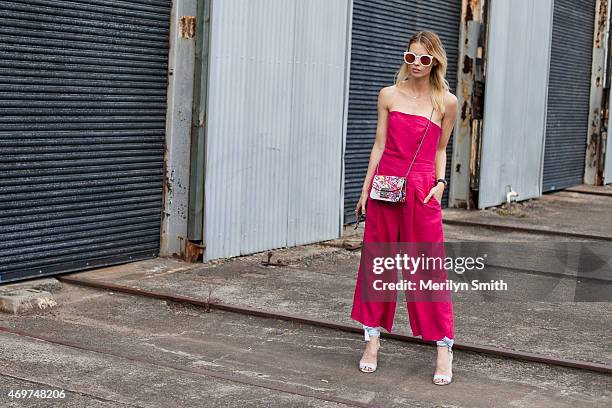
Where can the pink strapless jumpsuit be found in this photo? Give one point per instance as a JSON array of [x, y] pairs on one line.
[[411, 221]]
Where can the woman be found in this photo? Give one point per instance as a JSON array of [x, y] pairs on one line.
[[419, 97]]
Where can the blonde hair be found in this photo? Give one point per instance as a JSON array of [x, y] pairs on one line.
[[433, 45]]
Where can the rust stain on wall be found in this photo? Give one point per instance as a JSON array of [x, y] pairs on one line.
[[600, 27]]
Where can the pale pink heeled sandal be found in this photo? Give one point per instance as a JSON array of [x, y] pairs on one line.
[[369, 367], [442, 379]]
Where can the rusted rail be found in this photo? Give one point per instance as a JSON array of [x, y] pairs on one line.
[[476, 348]]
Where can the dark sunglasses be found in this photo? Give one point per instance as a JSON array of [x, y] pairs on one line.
[[410, 58]]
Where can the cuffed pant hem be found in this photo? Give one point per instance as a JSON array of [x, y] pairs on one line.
[[370, 332], [446, 342]]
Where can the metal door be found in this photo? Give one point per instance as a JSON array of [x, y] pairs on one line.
[[82, 133], [569, 88], [379, 34], [519, 36]]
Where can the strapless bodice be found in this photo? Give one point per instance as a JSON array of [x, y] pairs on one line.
[[404, 132]]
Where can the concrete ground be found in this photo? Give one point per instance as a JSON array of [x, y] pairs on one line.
[[111, 349], [587, 212], [121, 350], [319, 283]]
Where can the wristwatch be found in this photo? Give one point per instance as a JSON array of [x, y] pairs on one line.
[[443, 181]]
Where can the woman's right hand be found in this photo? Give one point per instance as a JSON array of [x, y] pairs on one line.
[[361, 204]]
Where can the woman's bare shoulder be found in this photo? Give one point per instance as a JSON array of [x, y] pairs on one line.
[[385, 94], [450, 100], [387, 90]]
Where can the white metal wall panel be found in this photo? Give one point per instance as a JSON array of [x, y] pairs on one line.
[[515, 100], [317, 124], [274, 124]]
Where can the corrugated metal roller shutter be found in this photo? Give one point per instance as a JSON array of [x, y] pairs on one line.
[[569, 90], [82, 131], [380, 31]]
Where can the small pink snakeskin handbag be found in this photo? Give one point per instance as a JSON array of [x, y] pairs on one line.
[[393, 188]]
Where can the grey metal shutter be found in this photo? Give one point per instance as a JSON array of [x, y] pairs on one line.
[[379, 34], [82, 133], [569, 90]]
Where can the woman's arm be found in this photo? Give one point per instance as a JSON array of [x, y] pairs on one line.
[[379, 141], [448, 123], [377, 149]]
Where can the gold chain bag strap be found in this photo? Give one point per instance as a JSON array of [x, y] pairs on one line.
[[393, 188]]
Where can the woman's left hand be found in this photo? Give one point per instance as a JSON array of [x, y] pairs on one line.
[[436, 191]]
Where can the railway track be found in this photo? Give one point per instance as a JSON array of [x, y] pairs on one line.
[[209, 305]]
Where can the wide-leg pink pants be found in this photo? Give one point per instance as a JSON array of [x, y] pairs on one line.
[[412, 221]]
